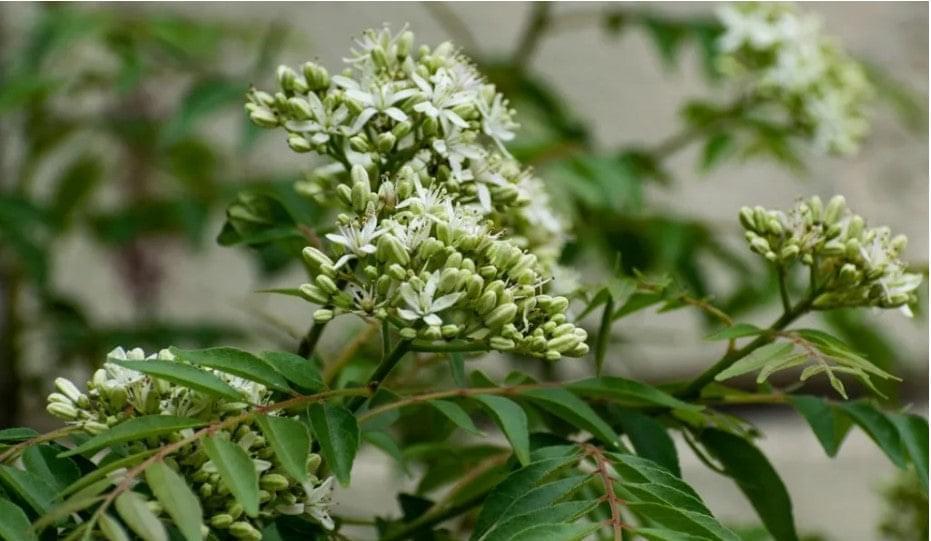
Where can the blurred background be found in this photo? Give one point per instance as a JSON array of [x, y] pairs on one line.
[[123, 141]]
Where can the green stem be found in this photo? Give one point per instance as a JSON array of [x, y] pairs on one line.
[[604, 334], [693, 390], [309, 342], [381, 372], [449, 347], [784, 288]]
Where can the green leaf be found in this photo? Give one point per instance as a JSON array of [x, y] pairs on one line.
[[457, 368], [28, 487], [573, 410], [913, 430], [516, 485], [237, 362], [556, 532], [756, 478], [457, 415], [43, 461], [336, 429], [237, 471], [111, 529], [628, 391], [14, 524], [718, 147], [136, 428], [75, 185], [184, 375], [738, 330], [17, 434], [559, 513], [512, 421], [291, 442], [204, 98], [757, 359], [386, 443], [649, 439], [103, 469], [829, 425], [296, 369], [177, 499], [136, 514], [878, 427]]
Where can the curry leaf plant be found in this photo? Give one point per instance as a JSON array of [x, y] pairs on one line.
[[443, 244]]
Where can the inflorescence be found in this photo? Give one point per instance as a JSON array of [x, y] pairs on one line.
[[852, 265], [443, 233], [115, 394], [782, 59]]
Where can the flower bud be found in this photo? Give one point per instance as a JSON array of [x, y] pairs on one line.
[[315, 258], [404, 43], [290, 81], [326, 284], [552, 355], [408, 333], [833, 248], [244, 530], [221, 521], [94, 427], [834, 209], [323, 315], [746, 218], [501, 344], [397, 272], [314, 294], [360, 143], [264, 118], [474, 286], [501, 315], [235, 509], [448, 279], [385, 142], [299, 143], [317, 76], [450, 331], [402, 129], [344, 193], [789, 252], [486, 303], [69, 389], [563, 343], [558, 305], [274, 482], [855, 227], [759, 245], [62, 410], [390, 249]]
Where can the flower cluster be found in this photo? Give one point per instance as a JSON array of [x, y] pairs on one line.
[[784, 59], [442, 232], [116, 393], [853, 265]]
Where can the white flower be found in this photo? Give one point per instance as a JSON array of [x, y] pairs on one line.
[[413, 233], [366, 300], [746, 25], [371, 40], [422, 305], [483, 174], [357, 240], [457, 147], [496, 121], [441, 94], [836, 127], [376, 98], [463, 220], [317, 502], [323, 123], [424, 201]]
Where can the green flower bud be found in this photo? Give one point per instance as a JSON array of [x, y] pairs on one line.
[[390, 249], [397, 272], [898, 244], [488, 271], [759, 245], [264, 118], [578, 351], [563, 329], [344, 193], [70, 390], [855, 227], [205, 490], [849, 275], [326, 283], [789, 253], [360, 143], [833, 248], [747, 218], [431, 333], [558, 305], [501, 315], [408, 333], [816, 208], [552, 355], [486, 303], [314, 294], [299, 143], [94, 427], [429, 126], [313, 462], [450, 331], [835, 207], [317, 76], [62, 410], [385, 142], [274, 482], [563, 343], [402, 129], [235, 510], [360, 196], [474, 286], [404, 43], [221, 521], [501, 344], [315, 258], [58, 397], [300, 108], [448, 279], [323, 315], [244, 530]]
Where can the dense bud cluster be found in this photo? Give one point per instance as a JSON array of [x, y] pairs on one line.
[[853, 265], [115, 394], [442, 232], [784, 60]]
